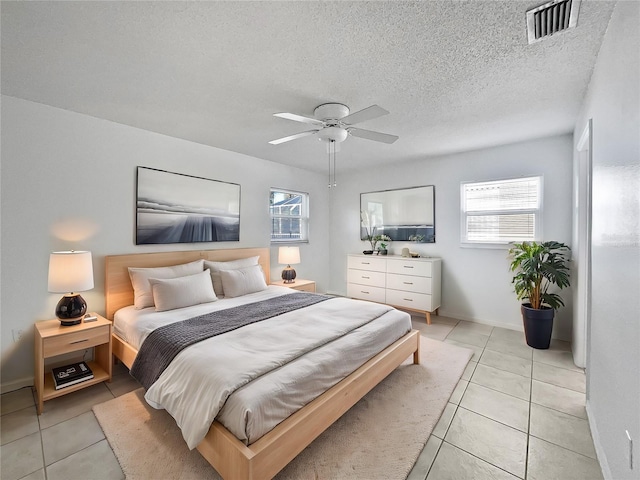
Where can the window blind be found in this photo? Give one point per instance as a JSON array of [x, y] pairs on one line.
[[501, 211]]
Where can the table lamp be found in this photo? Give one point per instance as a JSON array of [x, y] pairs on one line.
[[69, 273], [289, 256]]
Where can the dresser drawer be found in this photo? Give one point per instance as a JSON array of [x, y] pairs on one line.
[[409, 267], [72, 342], [363, 292], [417, 301], [370, 263], [409, 283], [364, 277]]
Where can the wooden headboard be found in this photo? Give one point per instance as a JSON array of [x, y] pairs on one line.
[[118, 289]]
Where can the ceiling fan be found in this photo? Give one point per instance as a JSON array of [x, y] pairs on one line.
[[334, 124]]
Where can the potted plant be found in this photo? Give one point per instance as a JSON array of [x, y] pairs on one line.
[[383, 239], [538, 266]]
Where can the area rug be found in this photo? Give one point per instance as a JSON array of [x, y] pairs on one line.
[[379, 438]]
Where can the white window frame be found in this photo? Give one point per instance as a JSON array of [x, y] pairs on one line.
[[495, 243], [303, 216]]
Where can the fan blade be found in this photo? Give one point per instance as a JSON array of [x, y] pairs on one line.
[[370, 135], [369, 113], [299, 118], [293, 137]]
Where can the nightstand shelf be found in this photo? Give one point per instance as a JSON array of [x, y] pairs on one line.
[[299, 284], [52, 339]]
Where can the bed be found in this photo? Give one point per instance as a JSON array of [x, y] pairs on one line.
[[233, 456]]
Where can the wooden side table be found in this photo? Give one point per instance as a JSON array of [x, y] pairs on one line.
[[52, 339], [298, 284]]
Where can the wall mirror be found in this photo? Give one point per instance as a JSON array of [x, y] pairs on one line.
[[406, 214]]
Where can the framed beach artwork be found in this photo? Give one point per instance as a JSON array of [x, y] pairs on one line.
[[176, 208]]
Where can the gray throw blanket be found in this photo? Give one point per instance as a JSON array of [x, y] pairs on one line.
[[164, 343]]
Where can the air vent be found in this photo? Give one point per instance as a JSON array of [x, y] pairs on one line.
[[551, 18]]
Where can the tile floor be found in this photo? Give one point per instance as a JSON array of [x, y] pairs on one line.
[[516, 413]]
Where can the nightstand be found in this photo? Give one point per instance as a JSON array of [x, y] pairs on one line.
[[298, 284], [52, 339]]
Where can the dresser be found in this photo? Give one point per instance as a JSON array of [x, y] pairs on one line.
[[408, 283]]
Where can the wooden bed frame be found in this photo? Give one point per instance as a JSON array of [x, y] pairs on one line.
[[266, 457]]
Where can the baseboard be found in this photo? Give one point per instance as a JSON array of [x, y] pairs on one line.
[[16, 385], [508, 326], [600, 455]]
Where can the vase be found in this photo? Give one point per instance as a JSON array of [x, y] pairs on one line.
[[538, 326], [383, 252]]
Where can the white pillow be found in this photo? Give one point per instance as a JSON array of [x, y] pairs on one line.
[[243, 281], [142, 296], [172, 293], [216, 267]]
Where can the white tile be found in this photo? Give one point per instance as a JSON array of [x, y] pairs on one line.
[[19, 424], [547, 461], [73, 404], [558, 398], [560, 377], [502, 381], [510, 347], [37, 475], [440, 430], [507, 335], [70, 436], [508, 363], [497, 406], [468, 371], [16, 400], [456, 396], [557, 358], [493, 442], [455, 464], [96, 462], [437, 331], [21, 458], [468, 336], [477, 351], [122, 384], [561, 429], [474, 327], [425, 460]]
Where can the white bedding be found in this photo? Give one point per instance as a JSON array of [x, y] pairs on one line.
[[255, 408]]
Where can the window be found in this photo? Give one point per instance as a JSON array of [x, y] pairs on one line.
[[502, 211], [289, 216]]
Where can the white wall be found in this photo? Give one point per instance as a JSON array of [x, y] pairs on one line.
[[476, 282], [613, 352], [68, 182]]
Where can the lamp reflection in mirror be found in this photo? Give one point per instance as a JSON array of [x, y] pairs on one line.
[[69, 273], [289, 256]]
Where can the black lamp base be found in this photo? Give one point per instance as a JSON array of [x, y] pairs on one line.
[[288, 274], [71, 309]]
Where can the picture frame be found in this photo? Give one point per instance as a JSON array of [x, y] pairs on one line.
[[177, 208]]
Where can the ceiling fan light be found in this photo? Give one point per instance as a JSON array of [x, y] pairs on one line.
[[335, 134]]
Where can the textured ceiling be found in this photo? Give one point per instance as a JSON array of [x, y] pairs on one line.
[[454, 75]]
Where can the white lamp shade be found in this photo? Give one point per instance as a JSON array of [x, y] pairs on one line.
[[289, 255], [70, 272]]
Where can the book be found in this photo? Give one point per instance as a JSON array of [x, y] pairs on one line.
[[71, 374]]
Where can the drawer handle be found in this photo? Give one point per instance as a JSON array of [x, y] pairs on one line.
[[362, 291], [408, 299], [79, 341], [408, 266], [408, 283], [366, 263], [365, 277]]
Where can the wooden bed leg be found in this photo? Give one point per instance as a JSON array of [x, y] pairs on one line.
[[416, 354], [428, 315]]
